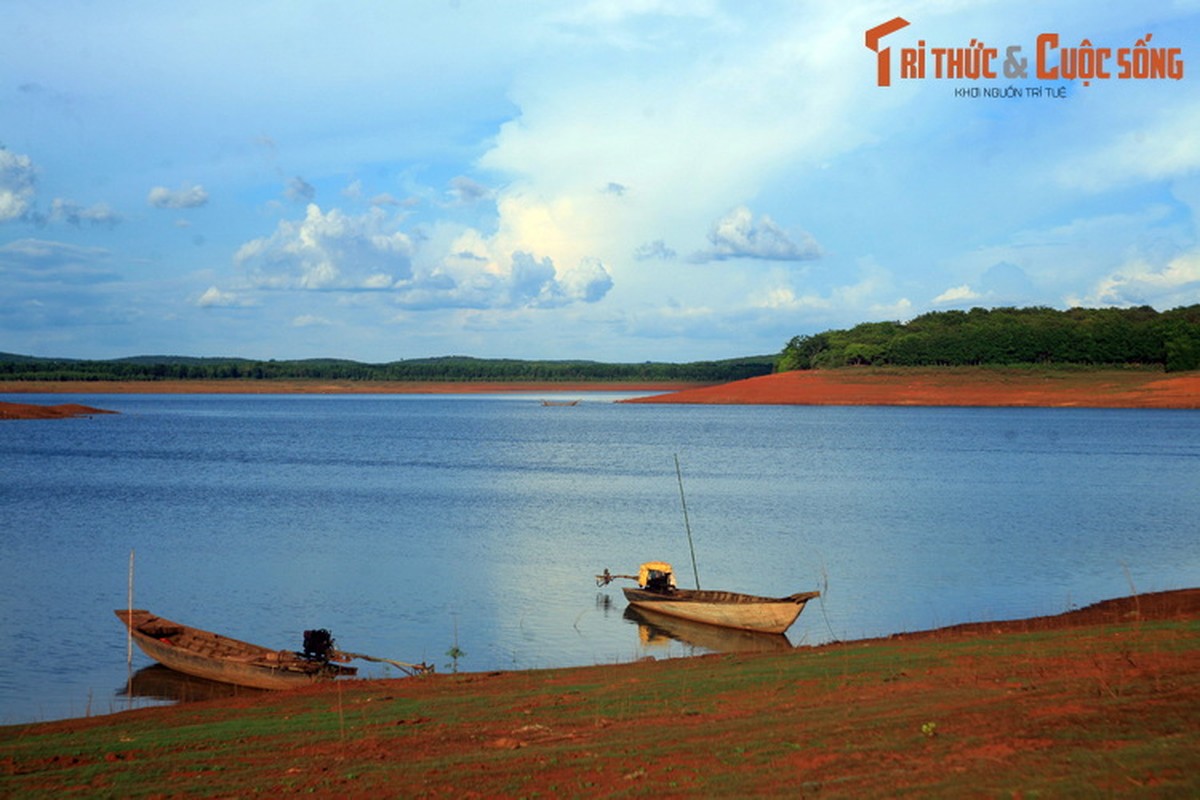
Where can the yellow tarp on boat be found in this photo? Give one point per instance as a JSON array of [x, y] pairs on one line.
[[656, 571]]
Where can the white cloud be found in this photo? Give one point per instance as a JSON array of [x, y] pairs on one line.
[[335, 251], [184, 197], [956, 294], [18, 179], [738, 235], [1175, 283], [329, 251], [589, 282], [214, 297]]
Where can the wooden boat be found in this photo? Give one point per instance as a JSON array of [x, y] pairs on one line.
[[657, 592], [219, 658], [560, 402]]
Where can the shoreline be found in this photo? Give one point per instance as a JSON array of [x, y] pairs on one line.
[[1100, 699], [917, 386], [287, 386]]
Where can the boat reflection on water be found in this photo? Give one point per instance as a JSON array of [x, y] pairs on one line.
[[157, 682], [658, 628]]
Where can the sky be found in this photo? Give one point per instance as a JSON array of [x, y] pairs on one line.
[[616, 180]]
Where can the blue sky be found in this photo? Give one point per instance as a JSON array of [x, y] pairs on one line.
[[620, 181]]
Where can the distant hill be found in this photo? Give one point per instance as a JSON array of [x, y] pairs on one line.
[[445, 368]]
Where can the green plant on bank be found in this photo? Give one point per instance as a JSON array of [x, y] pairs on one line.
[[454, 654]]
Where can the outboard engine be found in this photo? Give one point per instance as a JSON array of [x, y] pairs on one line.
[[318, 645]]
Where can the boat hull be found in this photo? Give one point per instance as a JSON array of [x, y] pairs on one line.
[[725, 609], [209, 655]]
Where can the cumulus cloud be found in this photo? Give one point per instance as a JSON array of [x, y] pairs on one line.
[[738, 235], [589, 282], [1139, 283], [18, 179], [535, 283], [335, 251], [329, 251], [184, 197]]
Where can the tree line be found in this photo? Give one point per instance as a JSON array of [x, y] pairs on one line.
[[1010, 336], [446, 369], [1141, 336]]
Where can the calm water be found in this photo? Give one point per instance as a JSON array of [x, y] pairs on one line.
[[408, 525]]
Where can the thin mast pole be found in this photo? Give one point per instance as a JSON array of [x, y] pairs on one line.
[[129, 617], [686, 523]]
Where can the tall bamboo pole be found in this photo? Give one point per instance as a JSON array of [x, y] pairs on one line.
[[686, 523]]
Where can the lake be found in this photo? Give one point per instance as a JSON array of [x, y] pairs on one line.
[[417, 526]]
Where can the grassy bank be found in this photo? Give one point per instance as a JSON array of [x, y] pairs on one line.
[[1104, 702]]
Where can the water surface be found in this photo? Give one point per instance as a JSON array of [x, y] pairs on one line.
[[410, 525]]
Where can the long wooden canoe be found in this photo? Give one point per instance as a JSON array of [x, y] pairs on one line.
[[728, 609], [219, 658]]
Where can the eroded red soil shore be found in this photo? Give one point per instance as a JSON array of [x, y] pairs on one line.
[[953, 387], [34, 411]]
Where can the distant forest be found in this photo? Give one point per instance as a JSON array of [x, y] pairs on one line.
[[1010, 336], [450, 368], [1169, 340]]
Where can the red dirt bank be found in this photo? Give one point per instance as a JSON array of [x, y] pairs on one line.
[[953, 387], [31, 411]]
